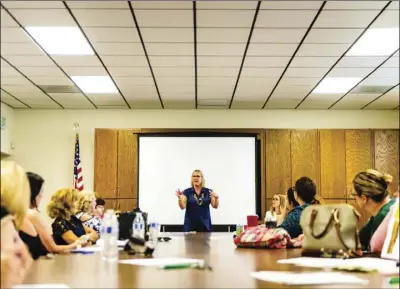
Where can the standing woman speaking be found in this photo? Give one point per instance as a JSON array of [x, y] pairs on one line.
[[197, 200]]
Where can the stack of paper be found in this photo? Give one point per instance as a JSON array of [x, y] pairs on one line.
[[315, 278]]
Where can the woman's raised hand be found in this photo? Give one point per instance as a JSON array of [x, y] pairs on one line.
[[178, 193]]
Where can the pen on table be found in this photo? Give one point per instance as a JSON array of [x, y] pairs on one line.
[[187, 266], [82, 252]]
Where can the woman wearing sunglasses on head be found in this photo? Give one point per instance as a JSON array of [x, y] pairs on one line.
[[197, 200]]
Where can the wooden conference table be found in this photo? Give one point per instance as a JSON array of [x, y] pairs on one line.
[[231, 267]]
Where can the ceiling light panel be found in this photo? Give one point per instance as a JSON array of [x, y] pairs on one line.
[[95, 84], [61, 40], [334, 85], [376, 42]]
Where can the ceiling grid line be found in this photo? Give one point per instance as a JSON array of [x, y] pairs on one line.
[[245, 52], [48, 55], [369, 74], [390, 89], [94, 50], [16, 98], [27, 78], [295, 52], [343, 55], [145, 52], [195, 51]]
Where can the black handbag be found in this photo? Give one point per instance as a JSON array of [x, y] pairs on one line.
[[125, 224]]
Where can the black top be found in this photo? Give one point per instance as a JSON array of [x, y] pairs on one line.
[[60, 226], [34, 244]]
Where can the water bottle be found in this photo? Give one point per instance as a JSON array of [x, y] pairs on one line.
[[110, 236], [153, 232], [138, 229]]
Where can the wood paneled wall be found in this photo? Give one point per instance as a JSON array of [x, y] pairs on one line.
[[330, 157]]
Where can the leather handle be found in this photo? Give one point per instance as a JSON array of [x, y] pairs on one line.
[[312, 221]]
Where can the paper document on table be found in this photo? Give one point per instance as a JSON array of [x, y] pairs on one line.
[[41, 286], [160, 262], [122, 243], [307, 278], [381, 265]]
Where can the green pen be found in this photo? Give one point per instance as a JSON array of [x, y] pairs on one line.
[[394, 280], [180, 266]]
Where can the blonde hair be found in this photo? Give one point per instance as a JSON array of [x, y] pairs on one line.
[[63, 203], [282, 203], [15, 190], [85, 201], [373, 184], [203, 181]]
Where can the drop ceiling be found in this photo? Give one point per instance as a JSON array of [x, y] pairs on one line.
[[204, 54]]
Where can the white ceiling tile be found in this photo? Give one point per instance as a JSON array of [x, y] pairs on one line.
[[43, 17], [256, 83], [322, 49], [299, 81], [291, 5], [356, 5], [176, 90], [77, 60], [129, 71], [98, 4], [345, 18], [387, 101], [333, 35], [216, 81], [113, 60], [330, 97], [85, 71], [42, 71], [170, 49], [104, 17], [394, 6], [119, 48], [226, 5], [173, 71], [225, 18], [13, 80], [8, 71], [39, 80], [261, 72], [215, 91], [32, 95], [349, 72], [184, 81], [164, 18], [266, 35], [306, 72], [285, 18], [313, 61], [292, 95], [388, 19], [359, 61], [18, 89], [373, 81], [145, 104], [20, 49], [261, 93], [13, 103], [266, 61], [292, 89], [386, 72], [41, 103], [162, 5], [112, 34], [104, 99], [355, 101], [140, 92], [6, 20], [392, 62], [236, 49], [72, 100], [316, 104], [238, 35], [247, 104], [171, 61], [167, 34], [112, 107], [219, 61], [133, 81], [32, 4], [14, 34], [218, 71], [281, 104], [271, 49], [178, 97]]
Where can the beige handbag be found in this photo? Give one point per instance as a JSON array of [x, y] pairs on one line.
[[330, 231]]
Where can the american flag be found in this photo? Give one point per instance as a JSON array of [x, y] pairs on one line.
[[78, 175]]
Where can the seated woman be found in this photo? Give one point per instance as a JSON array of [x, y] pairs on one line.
[[66, 227], [15, 257], [34, 231], [99, 208], [371, 193], [278, 207], [304, 193], [86, 208]]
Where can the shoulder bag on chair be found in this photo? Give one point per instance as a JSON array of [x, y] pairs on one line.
[[330, 231]]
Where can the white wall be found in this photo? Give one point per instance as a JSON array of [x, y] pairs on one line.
[[7, 115], [44, 139]]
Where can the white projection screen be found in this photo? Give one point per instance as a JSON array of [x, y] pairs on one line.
[[167, 162]]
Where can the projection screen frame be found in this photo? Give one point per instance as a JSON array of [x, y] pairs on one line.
[[258, 171]]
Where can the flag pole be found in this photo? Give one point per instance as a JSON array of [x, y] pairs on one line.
[[76, 130]]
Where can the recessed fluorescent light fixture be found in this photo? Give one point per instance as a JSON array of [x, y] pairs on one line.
[[336, 84], [61, 40], [95, 84], [376, 42]]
